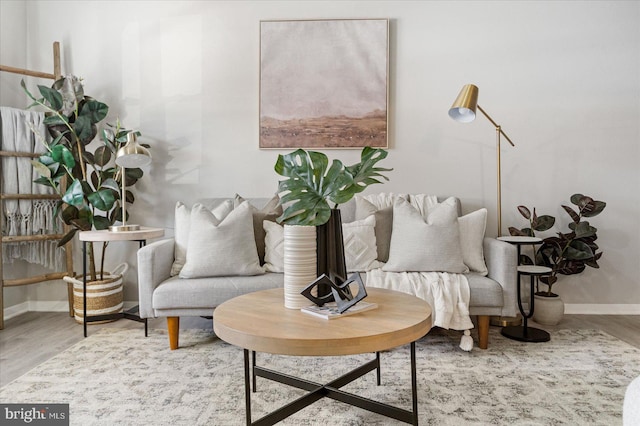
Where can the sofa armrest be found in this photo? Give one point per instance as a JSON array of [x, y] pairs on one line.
[[502, 263], [154, 267]]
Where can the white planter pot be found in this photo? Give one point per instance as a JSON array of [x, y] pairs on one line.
[[300, 262], [548, 310]]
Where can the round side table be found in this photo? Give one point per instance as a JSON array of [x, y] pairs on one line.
[[524, 333]]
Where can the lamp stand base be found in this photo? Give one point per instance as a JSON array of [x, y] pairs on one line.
[[124, 228]]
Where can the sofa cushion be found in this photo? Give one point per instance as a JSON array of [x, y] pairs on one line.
[[209, 292], [221, 247], [182, 218], [424, 245], [269, 212]]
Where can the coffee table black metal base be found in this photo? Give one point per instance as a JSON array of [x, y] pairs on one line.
[[528, 334], [317, 391]]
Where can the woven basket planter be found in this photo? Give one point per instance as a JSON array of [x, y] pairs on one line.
[[103, 296]]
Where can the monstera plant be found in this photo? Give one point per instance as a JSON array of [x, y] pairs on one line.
[[311, 194], [566, 253], [87, 181], [313, 188]]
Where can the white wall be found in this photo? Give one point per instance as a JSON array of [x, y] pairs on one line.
[[563, 79]]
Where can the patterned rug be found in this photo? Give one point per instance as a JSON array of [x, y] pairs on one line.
[[119, 377]]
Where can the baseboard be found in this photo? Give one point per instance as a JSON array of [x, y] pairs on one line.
[[45, 306], [601, 309]]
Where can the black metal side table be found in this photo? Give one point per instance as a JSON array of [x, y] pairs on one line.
[[524, 333], [141, 237]]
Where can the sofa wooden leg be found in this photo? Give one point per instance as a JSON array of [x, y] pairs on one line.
[[173, 328], [483, 331]]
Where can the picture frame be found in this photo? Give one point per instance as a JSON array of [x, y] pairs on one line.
[[324, 83]]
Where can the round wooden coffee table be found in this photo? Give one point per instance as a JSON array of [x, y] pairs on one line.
[[259, 322]]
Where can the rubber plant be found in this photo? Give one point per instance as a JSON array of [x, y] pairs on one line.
[[313, 187], [566, 253], [88, 181]]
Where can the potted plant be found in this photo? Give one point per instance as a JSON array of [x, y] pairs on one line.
[[566, 253], [87, 181], [311, 195]]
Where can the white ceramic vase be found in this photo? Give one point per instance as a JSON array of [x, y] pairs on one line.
[[300, 262], [548, 310]]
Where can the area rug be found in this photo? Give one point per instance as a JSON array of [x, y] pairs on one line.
[[118, 377]]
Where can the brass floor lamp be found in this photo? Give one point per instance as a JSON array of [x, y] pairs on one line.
[[463, 110]]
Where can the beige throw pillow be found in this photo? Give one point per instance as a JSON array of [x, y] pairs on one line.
[[472, 229], [270, 212], [182, 220], [221, 247], [425, 245]]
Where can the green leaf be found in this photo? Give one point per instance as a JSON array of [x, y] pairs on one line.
[[363, 174], [41, 168], [525, 212], [101, 222], [83, 128], [102, 199], [578, 250], [544, 223], [575, 199], [61, 154], [583, 229], [111, 184], [68, 237], [52, 96], [595, 208], [74, 195], [102, 156], [94, 110], [24, 87], [574, 215], [52, 120]]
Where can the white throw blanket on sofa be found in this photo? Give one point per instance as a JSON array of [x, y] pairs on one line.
[[447, 294]]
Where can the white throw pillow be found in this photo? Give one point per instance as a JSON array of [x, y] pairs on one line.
[[181, 231], [359, 238], [472, 228], [420, 245], [221, 247], [423, 203], [360, 251], [273, 246]]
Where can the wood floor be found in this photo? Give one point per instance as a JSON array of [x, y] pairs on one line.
[[32, 338]]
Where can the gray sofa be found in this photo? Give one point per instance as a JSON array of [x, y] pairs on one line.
[[163, 295]]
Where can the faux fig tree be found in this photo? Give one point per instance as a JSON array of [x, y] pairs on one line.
[[566, 253], [312, 185], [87, 180]]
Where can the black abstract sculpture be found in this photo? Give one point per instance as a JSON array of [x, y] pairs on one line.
[[340, 293]]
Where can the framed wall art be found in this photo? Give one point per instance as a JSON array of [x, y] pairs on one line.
[[324, 83]]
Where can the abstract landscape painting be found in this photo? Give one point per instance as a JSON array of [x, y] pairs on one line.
[[324, 83]]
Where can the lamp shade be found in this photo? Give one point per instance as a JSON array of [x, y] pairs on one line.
[[132, 155], [464, 107]]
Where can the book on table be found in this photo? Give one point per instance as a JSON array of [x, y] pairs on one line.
[[330, 310]]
